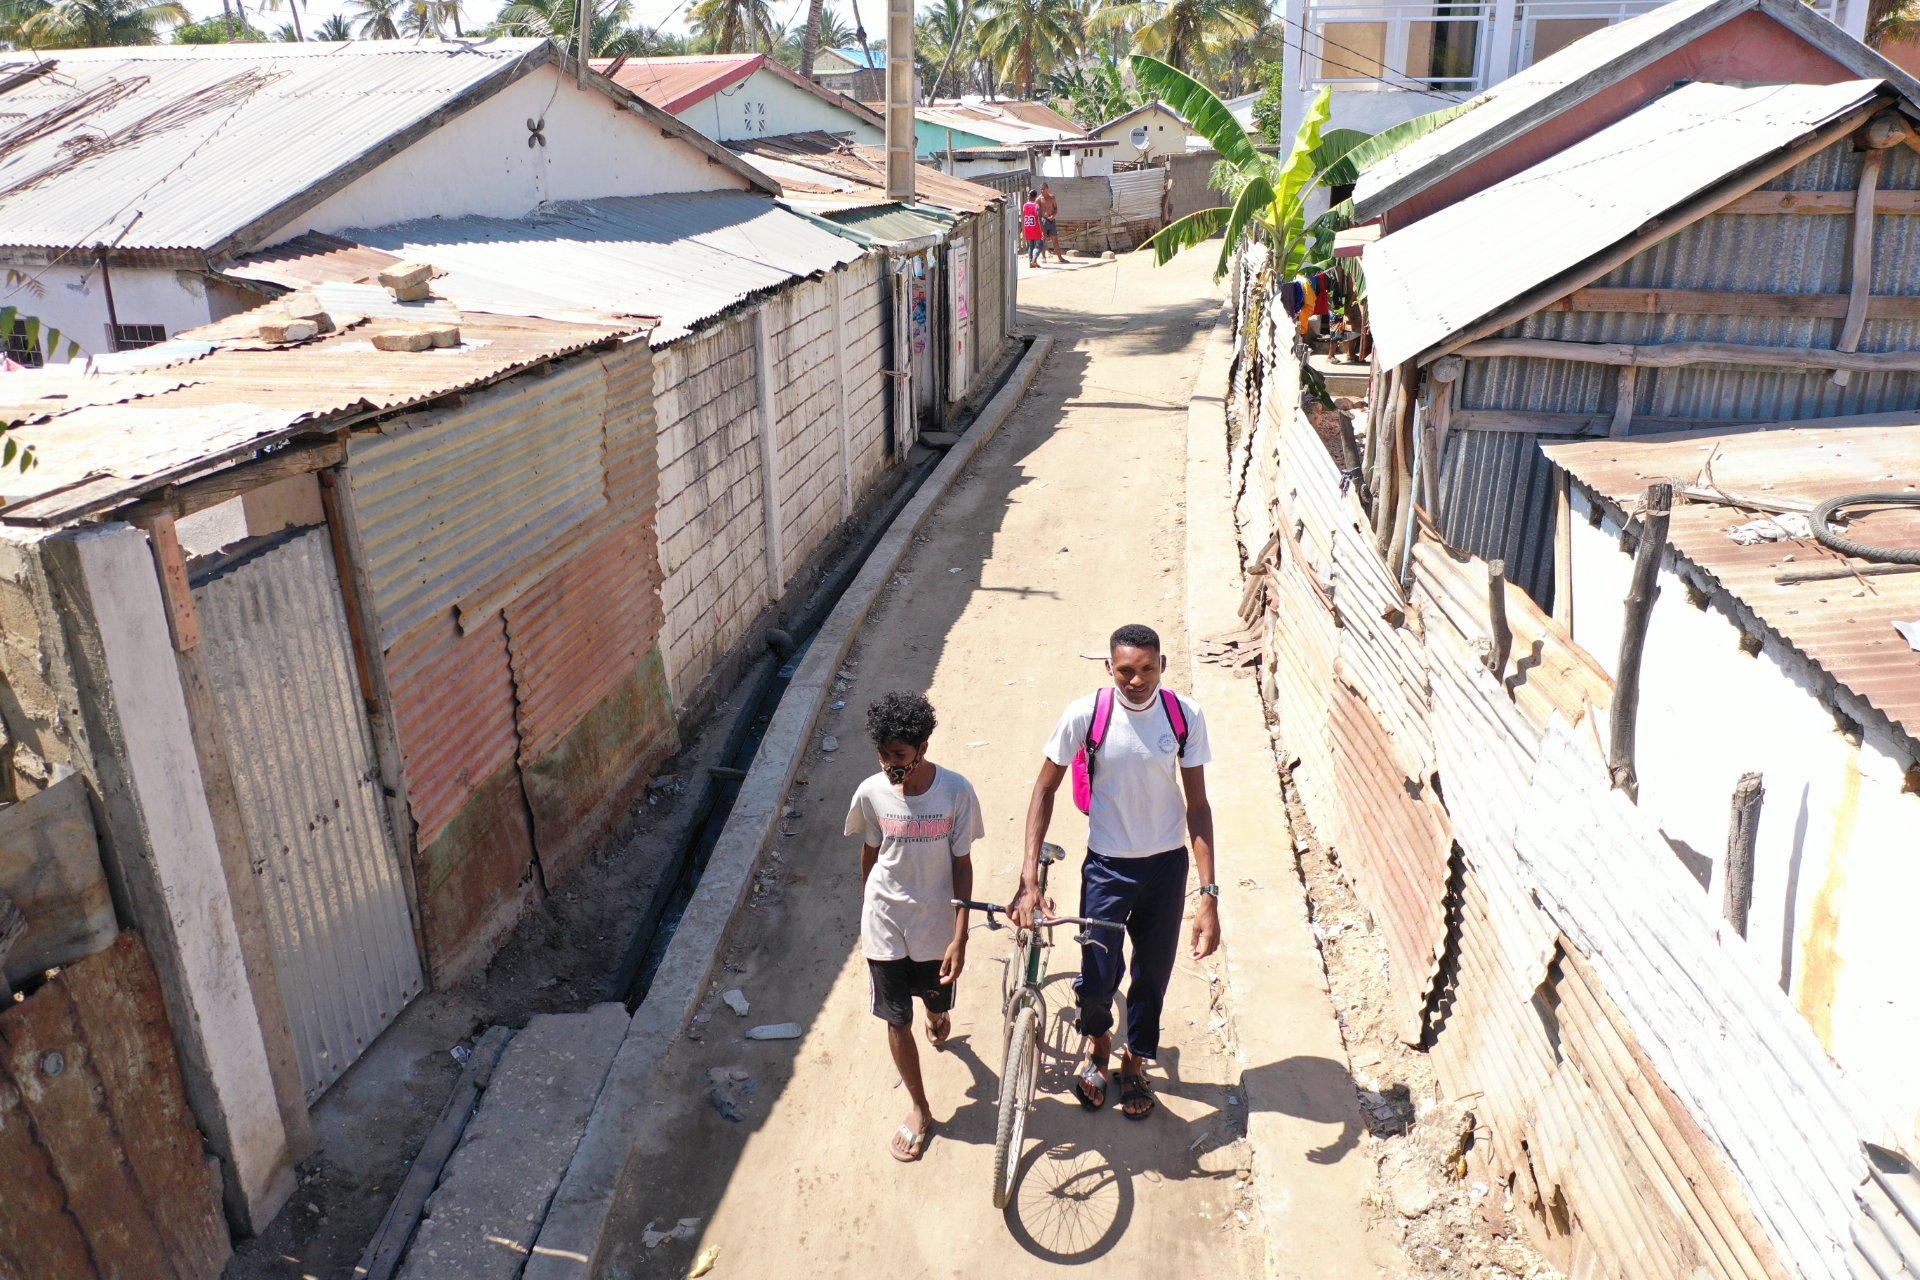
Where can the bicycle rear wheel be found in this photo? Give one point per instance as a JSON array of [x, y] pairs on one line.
[[1016, 1096]]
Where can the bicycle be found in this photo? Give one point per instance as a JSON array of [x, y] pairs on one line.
[[1023, 1010]]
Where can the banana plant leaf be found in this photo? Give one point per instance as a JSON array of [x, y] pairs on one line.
[[1204, 111], [1333, 158], [1383, 144], [1185, 233]]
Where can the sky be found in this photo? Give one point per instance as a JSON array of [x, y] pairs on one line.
[[653, 13]]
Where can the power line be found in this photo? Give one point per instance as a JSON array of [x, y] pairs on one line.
[[1326, 61]]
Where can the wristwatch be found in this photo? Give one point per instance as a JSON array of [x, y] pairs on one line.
[[1210, 890]]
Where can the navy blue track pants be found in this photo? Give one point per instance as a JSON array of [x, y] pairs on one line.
[[1150, 895]]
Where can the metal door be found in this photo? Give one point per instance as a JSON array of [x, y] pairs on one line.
[[280, 660]]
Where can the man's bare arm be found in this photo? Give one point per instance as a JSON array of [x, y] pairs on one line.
[[1206, 913], [1039, 818], [869, 856]]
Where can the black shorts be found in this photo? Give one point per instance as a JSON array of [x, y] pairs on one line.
[[896, 982], [1049, 227]]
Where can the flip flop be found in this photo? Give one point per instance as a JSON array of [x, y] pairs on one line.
[[916, 1144], [1089, 1073], [939, 1027], [1134, 1087]]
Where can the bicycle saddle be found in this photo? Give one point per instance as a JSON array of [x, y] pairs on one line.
[[1050, 852]]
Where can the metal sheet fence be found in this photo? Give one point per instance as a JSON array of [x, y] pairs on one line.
[[1652, 1097], [280, 664]]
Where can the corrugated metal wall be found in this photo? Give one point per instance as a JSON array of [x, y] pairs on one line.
[[1498, 491], [450, 499], [280, 664]]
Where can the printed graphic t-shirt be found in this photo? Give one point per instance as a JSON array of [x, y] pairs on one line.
[[1030, 220], [1139, 805], [908, 911]]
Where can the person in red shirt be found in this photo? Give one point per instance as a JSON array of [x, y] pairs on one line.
[[1030, 227]]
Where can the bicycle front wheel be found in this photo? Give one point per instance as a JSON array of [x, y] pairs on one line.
[[1016, 1096]]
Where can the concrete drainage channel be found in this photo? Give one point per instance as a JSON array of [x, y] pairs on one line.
[[520, 1196]]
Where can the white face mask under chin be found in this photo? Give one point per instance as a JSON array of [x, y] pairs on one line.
[[1134, 706]]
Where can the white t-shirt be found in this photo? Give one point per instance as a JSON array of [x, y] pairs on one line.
[[908, 910], [1139, 805]]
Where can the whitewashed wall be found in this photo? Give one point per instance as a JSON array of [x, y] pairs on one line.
[[1836, 874], [713, 530]]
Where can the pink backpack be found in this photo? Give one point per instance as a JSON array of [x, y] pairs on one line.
[[1097, 734]]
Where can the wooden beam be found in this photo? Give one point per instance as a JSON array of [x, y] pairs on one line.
[[1834, 202], [1542, 424], [1718, 302], [1562, 551], [1497, 619], [1673, 355], [1643, 589], [1623, 401], [1743, 829], [1650, 233], [1860, 260]]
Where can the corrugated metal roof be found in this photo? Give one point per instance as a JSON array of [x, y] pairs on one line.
[[310, 259], [998, 124], [199, 141], [683, 258], [308, 782], [233, 403], [1851, 637], [1576, 73], [675, 83], [1440, 275], [830, 157], [894, 223]]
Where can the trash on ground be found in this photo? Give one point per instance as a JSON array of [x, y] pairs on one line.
[[1780, 528], [835, 706], [776, 1031], [704, 1263], [461, 1052], [730, 1093], [829, 743], [685, 1229], [1910, 632], [736, 1001]]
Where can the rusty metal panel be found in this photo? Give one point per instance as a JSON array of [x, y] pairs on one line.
[[50, 867], [113, 1179], [632, 447], [451, 499], [453, 713], [1850, 637], [280, 665]]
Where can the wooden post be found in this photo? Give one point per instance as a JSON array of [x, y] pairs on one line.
[[1445, 373], [1379, 402], [1860, 260], [1657, 508], [1497, 619], [1350, 458], [1742, 829], [1623, 401], [1562, 552], [1393, 542], [13, 927]]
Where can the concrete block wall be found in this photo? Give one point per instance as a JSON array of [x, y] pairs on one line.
[[713, 547], [712, 538]]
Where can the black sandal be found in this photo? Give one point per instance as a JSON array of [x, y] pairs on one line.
[[1089, 1073], [1133, 1087]]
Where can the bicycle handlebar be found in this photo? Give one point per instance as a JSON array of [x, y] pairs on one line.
[[1043, 922]]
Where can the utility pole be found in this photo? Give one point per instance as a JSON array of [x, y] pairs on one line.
[[900, 143]]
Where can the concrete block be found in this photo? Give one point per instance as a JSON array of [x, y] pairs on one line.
[[418, 338], [483, 1218], [404, 274], [303, 306], [413, 292], [288, 330]]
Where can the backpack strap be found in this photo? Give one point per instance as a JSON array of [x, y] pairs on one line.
[[1102, 717], [1170, 702]]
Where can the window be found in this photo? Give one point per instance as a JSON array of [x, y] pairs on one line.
[[132, 337], [1353, 50], [1551, 35], [20, 351], [1442, 51]]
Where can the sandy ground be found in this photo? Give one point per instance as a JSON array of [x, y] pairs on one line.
[[1069, 524]]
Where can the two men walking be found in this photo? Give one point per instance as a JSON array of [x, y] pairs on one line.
[[1138, 755]]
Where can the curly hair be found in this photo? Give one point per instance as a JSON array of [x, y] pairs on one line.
[[900, 717], [1135, 636]]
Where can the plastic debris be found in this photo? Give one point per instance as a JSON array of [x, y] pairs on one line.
[[704, 1263], [776, 1031], [829, 743], [461, 1053], [1910, 632], [685, 1229], [835, 706], [736, 1001], [1780, 528], [732, 1090]]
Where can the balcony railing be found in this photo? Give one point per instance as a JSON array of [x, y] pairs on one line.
[[1448, 48]]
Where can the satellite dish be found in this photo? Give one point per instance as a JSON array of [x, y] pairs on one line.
[[1139, 136]]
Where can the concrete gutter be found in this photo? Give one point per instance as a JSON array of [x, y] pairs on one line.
[[1300, 1104], [570, 1239]]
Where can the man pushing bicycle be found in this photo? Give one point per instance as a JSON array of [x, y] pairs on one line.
[[1138, 755]]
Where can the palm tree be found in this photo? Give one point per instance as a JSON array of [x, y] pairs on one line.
[[431, 18], [334, 29], [1023, 37], [554, 20], [730, 22], [293, 7], [1184, 30], [378, 19], [1091, 96], [90, 24], [947, 41]]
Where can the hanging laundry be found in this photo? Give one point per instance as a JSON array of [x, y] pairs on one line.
[[1308, 301]]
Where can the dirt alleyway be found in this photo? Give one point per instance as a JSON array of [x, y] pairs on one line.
[[1070, 522]]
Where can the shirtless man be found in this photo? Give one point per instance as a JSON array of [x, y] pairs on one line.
[[1049, 221]]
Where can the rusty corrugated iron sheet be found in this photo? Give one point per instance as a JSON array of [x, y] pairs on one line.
[[280, 664], [632, 449], [1850, 636], [231, 404], [453, 713], [451, 499], [106, 1172], [310, 259]]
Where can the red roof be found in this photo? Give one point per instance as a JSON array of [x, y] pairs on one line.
[[674, 84]]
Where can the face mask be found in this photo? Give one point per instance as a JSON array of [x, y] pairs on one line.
[[897, 773]]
